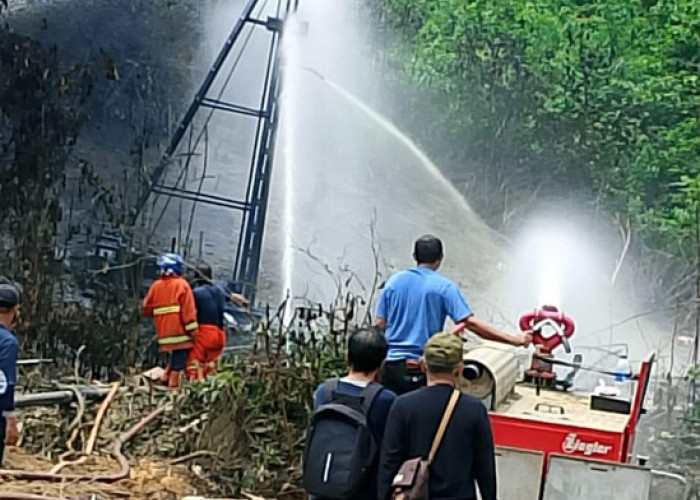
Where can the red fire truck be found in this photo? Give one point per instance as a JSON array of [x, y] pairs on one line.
[[556, 443]]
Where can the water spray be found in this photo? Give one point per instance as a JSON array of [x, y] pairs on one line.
[[289, 154], [401, 136]]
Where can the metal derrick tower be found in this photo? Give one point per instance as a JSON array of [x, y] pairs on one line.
[[254, 205]]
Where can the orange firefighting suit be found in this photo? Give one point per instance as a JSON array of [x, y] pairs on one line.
[[211, 338], [170, 302]]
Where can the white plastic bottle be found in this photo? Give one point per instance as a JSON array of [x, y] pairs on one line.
[[623, 380]]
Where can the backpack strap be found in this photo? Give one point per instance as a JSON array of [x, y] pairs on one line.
[[369, 394], [330, 387], [443, 424]]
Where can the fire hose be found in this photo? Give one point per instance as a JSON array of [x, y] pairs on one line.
[[23, 475], [579, 366]]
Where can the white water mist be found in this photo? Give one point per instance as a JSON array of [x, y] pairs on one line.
[[289, 103], [341, 161]]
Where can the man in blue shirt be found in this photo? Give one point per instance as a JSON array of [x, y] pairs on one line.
[[414, 306], [210, 301], [9, 350], [366, 352]]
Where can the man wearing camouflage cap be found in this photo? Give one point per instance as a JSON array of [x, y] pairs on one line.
[[465, 456], [9, 350]]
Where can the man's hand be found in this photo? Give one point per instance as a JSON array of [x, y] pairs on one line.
[[239, 299], [523, 339], [459, 328], [11, 432]]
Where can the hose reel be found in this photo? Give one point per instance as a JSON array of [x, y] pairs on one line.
[[490, 374]]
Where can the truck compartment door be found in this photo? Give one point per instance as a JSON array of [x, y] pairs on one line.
[[519, 473], [577, 479]]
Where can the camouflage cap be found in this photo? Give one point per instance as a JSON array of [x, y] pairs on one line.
[[444, 349]]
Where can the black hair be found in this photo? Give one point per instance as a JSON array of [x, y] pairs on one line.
[[367, 349], [203, 271], [427, 249]]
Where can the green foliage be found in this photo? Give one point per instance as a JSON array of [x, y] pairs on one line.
[[570, 94]]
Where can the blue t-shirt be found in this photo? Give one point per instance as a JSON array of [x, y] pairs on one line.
[[9, 350], [415, 304]]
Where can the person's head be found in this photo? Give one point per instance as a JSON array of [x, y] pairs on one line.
[[9, 304], [427, 251], [203, 271], [170, 264], [367, 349], [443, 357]]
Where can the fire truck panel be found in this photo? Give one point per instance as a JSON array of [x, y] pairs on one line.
[[519, 473], [559, 407], [575, 479]]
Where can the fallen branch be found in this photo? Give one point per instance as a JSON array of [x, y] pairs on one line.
[[192, 456], [26, 496], [23, 475], [76, 364], [100, 416], [74, 426], [90, 446]]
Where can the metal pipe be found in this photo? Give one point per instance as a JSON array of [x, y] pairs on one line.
[[57, 397], [31, 362]]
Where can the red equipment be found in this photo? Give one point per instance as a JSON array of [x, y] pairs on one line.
[[564, 328], [575, 443]]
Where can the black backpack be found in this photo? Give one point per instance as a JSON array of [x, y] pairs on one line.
[[340, 446]]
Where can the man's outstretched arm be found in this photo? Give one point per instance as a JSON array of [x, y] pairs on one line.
[[462, 315], [490, 332]]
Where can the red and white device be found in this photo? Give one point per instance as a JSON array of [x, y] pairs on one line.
[[557, 444], [563, 329]]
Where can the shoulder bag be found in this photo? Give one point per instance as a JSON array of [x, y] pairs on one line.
[[413, 479]]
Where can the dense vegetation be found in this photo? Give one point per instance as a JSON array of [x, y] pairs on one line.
[[556, 97], [74, 124]]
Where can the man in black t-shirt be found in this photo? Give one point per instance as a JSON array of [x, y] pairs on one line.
[[466, 454]]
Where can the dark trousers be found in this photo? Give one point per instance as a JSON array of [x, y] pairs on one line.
[[178, 360], [397, 377], [2, 438]]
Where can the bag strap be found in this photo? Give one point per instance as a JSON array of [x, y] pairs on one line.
[[369, 394], [443, 424], [330, 386]]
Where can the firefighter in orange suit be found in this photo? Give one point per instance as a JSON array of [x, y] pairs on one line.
[[170, 302]]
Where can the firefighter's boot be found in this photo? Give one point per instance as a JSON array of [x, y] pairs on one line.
[[212, 369], [195, 372], [174, 380], [165, 377]]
